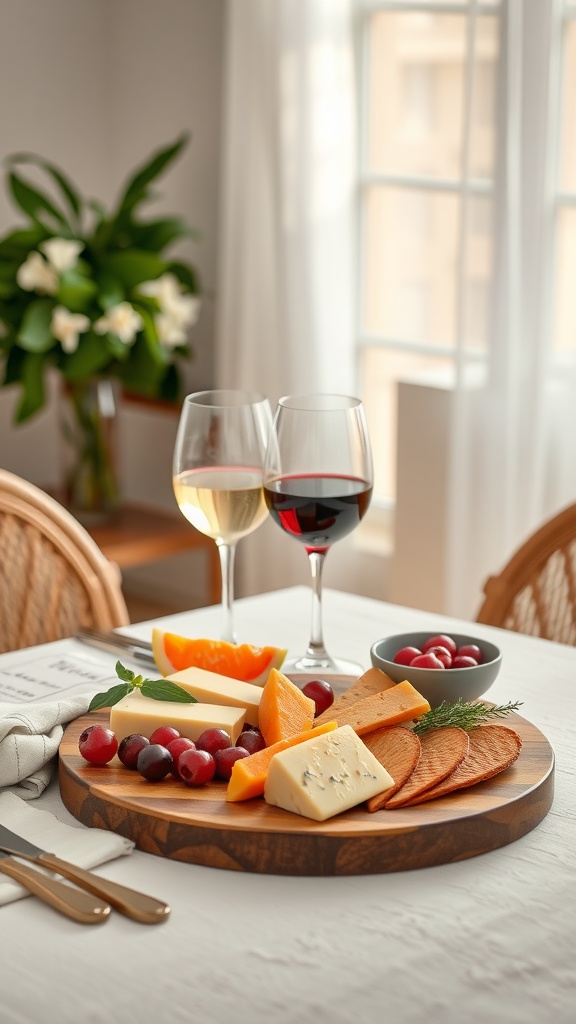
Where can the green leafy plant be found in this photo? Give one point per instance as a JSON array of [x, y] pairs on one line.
[[158, 689], [90, 292]]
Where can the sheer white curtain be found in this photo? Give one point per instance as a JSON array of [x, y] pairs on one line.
[[514, 430], [287, 243]]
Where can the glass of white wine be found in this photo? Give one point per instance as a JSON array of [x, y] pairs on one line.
[[217, 475]]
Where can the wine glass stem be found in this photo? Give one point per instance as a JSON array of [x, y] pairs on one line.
[[316, 648], [227, 552]]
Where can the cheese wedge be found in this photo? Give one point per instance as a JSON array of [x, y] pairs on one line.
[[142, 715], [325, 775], [400, 703], [213, 688]]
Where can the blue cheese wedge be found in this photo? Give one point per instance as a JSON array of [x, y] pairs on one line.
[[212, 688], [139, 714], [325, 775]]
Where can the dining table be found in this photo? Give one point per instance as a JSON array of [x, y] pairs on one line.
[[487, 937]]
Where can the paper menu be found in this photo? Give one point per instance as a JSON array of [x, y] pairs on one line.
[[29, 675]]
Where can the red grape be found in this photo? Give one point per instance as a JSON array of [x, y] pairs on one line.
[[406, 655], [164, 735], [154, 762], [471, 651], [443, 655], [226, 759], [212, 740], [196, 767], [428, 660], [464, 661], [177, 747], [440, 640], [97, 744], [252, 740], [130, 747], [321, 693]]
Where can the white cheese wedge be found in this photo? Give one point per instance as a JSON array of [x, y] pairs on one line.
[[212, 688], [325, 775], [138, 714]]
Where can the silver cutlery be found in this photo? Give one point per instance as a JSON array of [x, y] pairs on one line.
[[74, 903], [136, 905], [108, 640]]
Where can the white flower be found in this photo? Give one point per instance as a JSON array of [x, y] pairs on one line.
[[67, 327], [178, 310], [122, 320], [35, 275], [61, 253]]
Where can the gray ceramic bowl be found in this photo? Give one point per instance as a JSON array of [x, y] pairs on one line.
[[437, 685]]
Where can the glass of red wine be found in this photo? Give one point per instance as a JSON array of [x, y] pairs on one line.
[[318, 486]]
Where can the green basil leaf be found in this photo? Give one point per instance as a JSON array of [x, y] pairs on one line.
[[124, 673], [111, 697], [163, 689]]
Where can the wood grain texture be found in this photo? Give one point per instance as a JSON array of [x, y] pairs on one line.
[[197, 826]]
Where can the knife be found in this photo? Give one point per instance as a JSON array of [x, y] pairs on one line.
[[70, 901], [108, 640], [136, 905]]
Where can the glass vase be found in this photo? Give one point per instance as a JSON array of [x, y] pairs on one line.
[[89, 430]]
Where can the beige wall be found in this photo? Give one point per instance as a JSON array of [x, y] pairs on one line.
[[95, 86]]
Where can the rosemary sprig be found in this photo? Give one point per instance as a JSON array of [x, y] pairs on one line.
[[462, 714]]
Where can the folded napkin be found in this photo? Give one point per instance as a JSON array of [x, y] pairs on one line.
[[86, 847], [29, 738]]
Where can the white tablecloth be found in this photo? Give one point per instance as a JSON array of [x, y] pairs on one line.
[[489, 939]]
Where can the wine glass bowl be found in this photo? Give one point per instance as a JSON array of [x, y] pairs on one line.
[[318, 486], [218, 473]]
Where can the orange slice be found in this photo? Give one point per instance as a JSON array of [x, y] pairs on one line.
[[173, 653]]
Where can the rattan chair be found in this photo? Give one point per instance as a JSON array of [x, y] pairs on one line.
[[54, 578], [536, 591]]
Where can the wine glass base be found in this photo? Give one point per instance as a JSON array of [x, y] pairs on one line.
[[323, 665]]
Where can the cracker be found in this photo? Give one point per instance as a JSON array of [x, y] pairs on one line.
[[442, 750], [399, 703], [398, 751], [493, 748], [373, 681]]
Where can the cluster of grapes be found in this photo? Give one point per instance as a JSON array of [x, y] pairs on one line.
[[166, 752], [439, 651]]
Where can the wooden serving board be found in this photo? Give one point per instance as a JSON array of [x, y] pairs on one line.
[[197, 826]]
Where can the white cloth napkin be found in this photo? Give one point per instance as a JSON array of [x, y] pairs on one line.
[[86, 847], [29, 738]]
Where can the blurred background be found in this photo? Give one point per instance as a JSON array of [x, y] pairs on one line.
[[386, 199]]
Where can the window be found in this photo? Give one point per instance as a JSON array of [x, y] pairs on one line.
[[428, 151], [428, 98]]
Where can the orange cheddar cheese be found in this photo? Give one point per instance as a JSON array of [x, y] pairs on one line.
[[249, 773], [399, 703], [374, 680], [283, 710]]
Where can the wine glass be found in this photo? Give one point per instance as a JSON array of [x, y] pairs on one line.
[[317, 486], [218, 470]]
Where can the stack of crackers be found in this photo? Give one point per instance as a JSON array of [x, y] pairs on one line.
[[434, 764]]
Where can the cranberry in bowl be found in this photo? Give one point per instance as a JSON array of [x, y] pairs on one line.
[[463, 669]]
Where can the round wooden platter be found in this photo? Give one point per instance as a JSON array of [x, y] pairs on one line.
[[197, 826]]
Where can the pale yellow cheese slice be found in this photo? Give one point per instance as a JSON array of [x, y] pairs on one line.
[[142, 715], [325, 775], [213, 688]]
